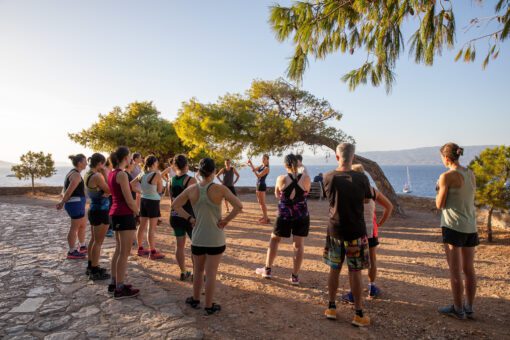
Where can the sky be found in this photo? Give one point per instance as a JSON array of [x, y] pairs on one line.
[[64, 62]]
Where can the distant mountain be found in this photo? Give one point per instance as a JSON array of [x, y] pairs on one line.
[[420, 156], [5, 164]]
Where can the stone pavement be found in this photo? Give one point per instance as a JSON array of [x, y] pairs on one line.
[[45, 296]]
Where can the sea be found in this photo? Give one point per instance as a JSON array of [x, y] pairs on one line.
[[423, 177]]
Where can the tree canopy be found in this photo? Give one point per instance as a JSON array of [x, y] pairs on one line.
[[34, 165], [492, 172], [322, 27], [139, 126]]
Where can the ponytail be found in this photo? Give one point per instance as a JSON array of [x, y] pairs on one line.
[[149, 162], [75, 159], [96, 159], [291, 163]]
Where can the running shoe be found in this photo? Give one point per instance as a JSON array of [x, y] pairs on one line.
[[330, 313], [109, 233], [99, 275], [374, 291], [348, 298], [143, 252], [111, 287], [294, 279], [75, 255], [468, 310], [361, 321], [83, 249], [214, 309], [264, 272], [450, 311], [195, 304], [125, 293], [155, 255], [185, 276]]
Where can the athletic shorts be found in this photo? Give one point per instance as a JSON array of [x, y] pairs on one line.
[[232, 189], [123, 222], [261, 187], [98, 217], [297, 227], [180, 226], [458, 239], [373, 242], [355, 251], [149, 208], [195, 250], [75, 207]]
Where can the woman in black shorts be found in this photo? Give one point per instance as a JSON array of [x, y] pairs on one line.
[[98, 214], [261, 172], [181, 226], [293, 217], [122, 214]]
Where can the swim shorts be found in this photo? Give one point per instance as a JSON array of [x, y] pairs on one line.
[[355, 253]]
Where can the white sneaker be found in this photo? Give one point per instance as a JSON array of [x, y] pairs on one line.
[[265, 273]]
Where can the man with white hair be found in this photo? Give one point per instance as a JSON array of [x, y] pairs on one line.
[[346, 238]]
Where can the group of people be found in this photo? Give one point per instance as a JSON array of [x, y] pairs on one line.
[[119, 191]]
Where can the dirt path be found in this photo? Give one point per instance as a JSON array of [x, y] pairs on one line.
[[412, 275]]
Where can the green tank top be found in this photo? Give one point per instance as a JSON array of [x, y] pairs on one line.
[[459, 211], [207, 214]]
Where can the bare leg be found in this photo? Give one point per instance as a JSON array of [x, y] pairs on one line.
[[261, 197], [98, 234], [372, 272], [355, 283], [151, 233], [274, 241], [82, 230], [211, 269], [179, 252], [198, 275], [468, 256], [453, 255], [333, 283], [126, 240], [91, 244], [299, 250], [73, 233], [141, 230], [115, 256]]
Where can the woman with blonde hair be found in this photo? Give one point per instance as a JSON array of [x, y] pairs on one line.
[[261, 173]]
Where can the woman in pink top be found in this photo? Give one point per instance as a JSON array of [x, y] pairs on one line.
[[122, 213]]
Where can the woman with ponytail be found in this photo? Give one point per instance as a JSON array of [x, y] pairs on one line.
[[456, 198], [151, 184], [73, 201], [122, 214], [98, 193], [293, 217]]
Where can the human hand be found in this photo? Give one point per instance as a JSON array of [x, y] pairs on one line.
[[60, 205], [222, 223]]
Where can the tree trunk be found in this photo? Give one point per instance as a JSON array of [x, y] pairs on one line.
[[375, 171], [33, 186], [489, 225]]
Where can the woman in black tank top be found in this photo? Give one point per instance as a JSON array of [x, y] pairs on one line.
[[228, 173], [261, 173], [73, 201]]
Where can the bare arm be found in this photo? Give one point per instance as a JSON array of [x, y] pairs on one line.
[[237, 207], [74, 180], [122, 180], [277, 188], [159, 182], [261, 173], [386, 204], [305, 182], [237, 175], [180, 201], [220, 173], [442, 192], [101, 183]]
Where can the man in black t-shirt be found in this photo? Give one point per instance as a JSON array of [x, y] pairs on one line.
[[346, 238]]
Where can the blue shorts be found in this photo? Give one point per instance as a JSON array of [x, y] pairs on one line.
[[75, 207]]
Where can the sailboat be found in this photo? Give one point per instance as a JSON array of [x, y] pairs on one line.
[[407, 186]]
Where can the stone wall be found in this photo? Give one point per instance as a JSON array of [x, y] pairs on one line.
[[5, 191]]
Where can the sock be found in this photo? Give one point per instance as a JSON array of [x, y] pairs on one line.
[[94, 269], [295, 276], [112, 281], [332, 305], [89, 264], [120, 286], [267, 268], [71, 250], [359, 312], [83, 245]]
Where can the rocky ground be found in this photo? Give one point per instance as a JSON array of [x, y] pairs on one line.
[[413, 277]]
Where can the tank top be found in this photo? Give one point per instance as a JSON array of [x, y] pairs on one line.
[[206, 232], [149, 191], [296, 207], [96, 195], [179, 184], [262, 180], [228, 177], [79, 191], [459, 211], [368, 214], [119, 206]]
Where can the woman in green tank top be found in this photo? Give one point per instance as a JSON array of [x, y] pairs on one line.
[[456, 199], [208, 238]]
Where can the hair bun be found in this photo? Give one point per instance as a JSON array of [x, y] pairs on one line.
[[460, 151]]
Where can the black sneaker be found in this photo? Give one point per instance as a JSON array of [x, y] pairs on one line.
[[125, 293], [111, 288], [195, 304], [99, 275], [214, 309], [185, 276]]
